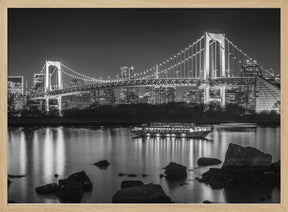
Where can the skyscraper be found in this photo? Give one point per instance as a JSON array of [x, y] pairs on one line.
[[128, 95], [15, 92], [38, 82], [16, 85], [109, 96], [163, 95]]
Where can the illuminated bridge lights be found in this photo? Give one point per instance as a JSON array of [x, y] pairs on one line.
[[152, 82], [192, 66]]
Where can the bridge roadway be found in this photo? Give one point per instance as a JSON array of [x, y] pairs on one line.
[[197, 82]]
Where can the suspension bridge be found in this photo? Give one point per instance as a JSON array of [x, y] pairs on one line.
[[211, 62]]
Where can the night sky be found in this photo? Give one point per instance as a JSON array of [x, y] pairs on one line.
[[96, 42]]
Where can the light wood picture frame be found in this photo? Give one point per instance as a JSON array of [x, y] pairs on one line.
[[5, 4]]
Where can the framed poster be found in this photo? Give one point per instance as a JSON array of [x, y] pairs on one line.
[[143, 106]]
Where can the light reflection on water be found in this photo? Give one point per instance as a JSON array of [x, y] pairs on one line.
[[40, 153]]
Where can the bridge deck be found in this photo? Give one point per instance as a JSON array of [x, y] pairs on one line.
[[196, 82]]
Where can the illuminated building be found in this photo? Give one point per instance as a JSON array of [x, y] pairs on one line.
[[244, 96], [163, 95], [16, 98], [109, 97], [128, 95], [192, 96], [103, 97], [38, 82], [251, 68], [80, 101], [16, 85]]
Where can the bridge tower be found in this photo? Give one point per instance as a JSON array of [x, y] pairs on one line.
[[220, 38], [48, 83]]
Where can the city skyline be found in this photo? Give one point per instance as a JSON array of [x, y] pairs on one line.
[[138, 38]]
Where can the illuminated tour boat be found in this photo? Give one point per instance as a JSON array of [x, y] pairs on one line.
[[184, 130]]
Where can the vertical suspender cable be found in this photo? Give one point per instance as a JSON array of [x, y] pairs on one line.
[[234, 71], [200, 59], [196, 61], [174, 67], [192, 62], [184, 63], [189, 62], [177, 71], [168, 69], [238, 64], [215, 60], [228, 64]]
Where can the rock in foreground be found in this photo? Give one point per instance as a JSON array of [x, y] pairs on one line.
[[241, 176], [48, 189], [254, 171], [175, 171], [237, 155], [149, 193], [83, 179], [130, 183], [208, 161], [70, 191], [102, 164]]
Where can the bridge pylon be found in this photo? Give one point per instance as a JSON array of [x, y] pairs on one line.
[[48, 83], [220, 38]]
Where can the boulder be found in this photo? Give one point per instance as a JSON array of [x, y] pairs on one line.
[[207, 202], [47, 189], [83, 179], [275, 172], [208, 161], [70, 191], [276, 166], [175, 171], [149, 193], [131, 175], [239, 176], [72, 188], [130, 183], [102, 164], [237, 155], [255, 171]]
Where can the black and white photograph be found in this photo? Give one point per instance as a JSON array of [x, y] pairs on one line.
[[143, 105]]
